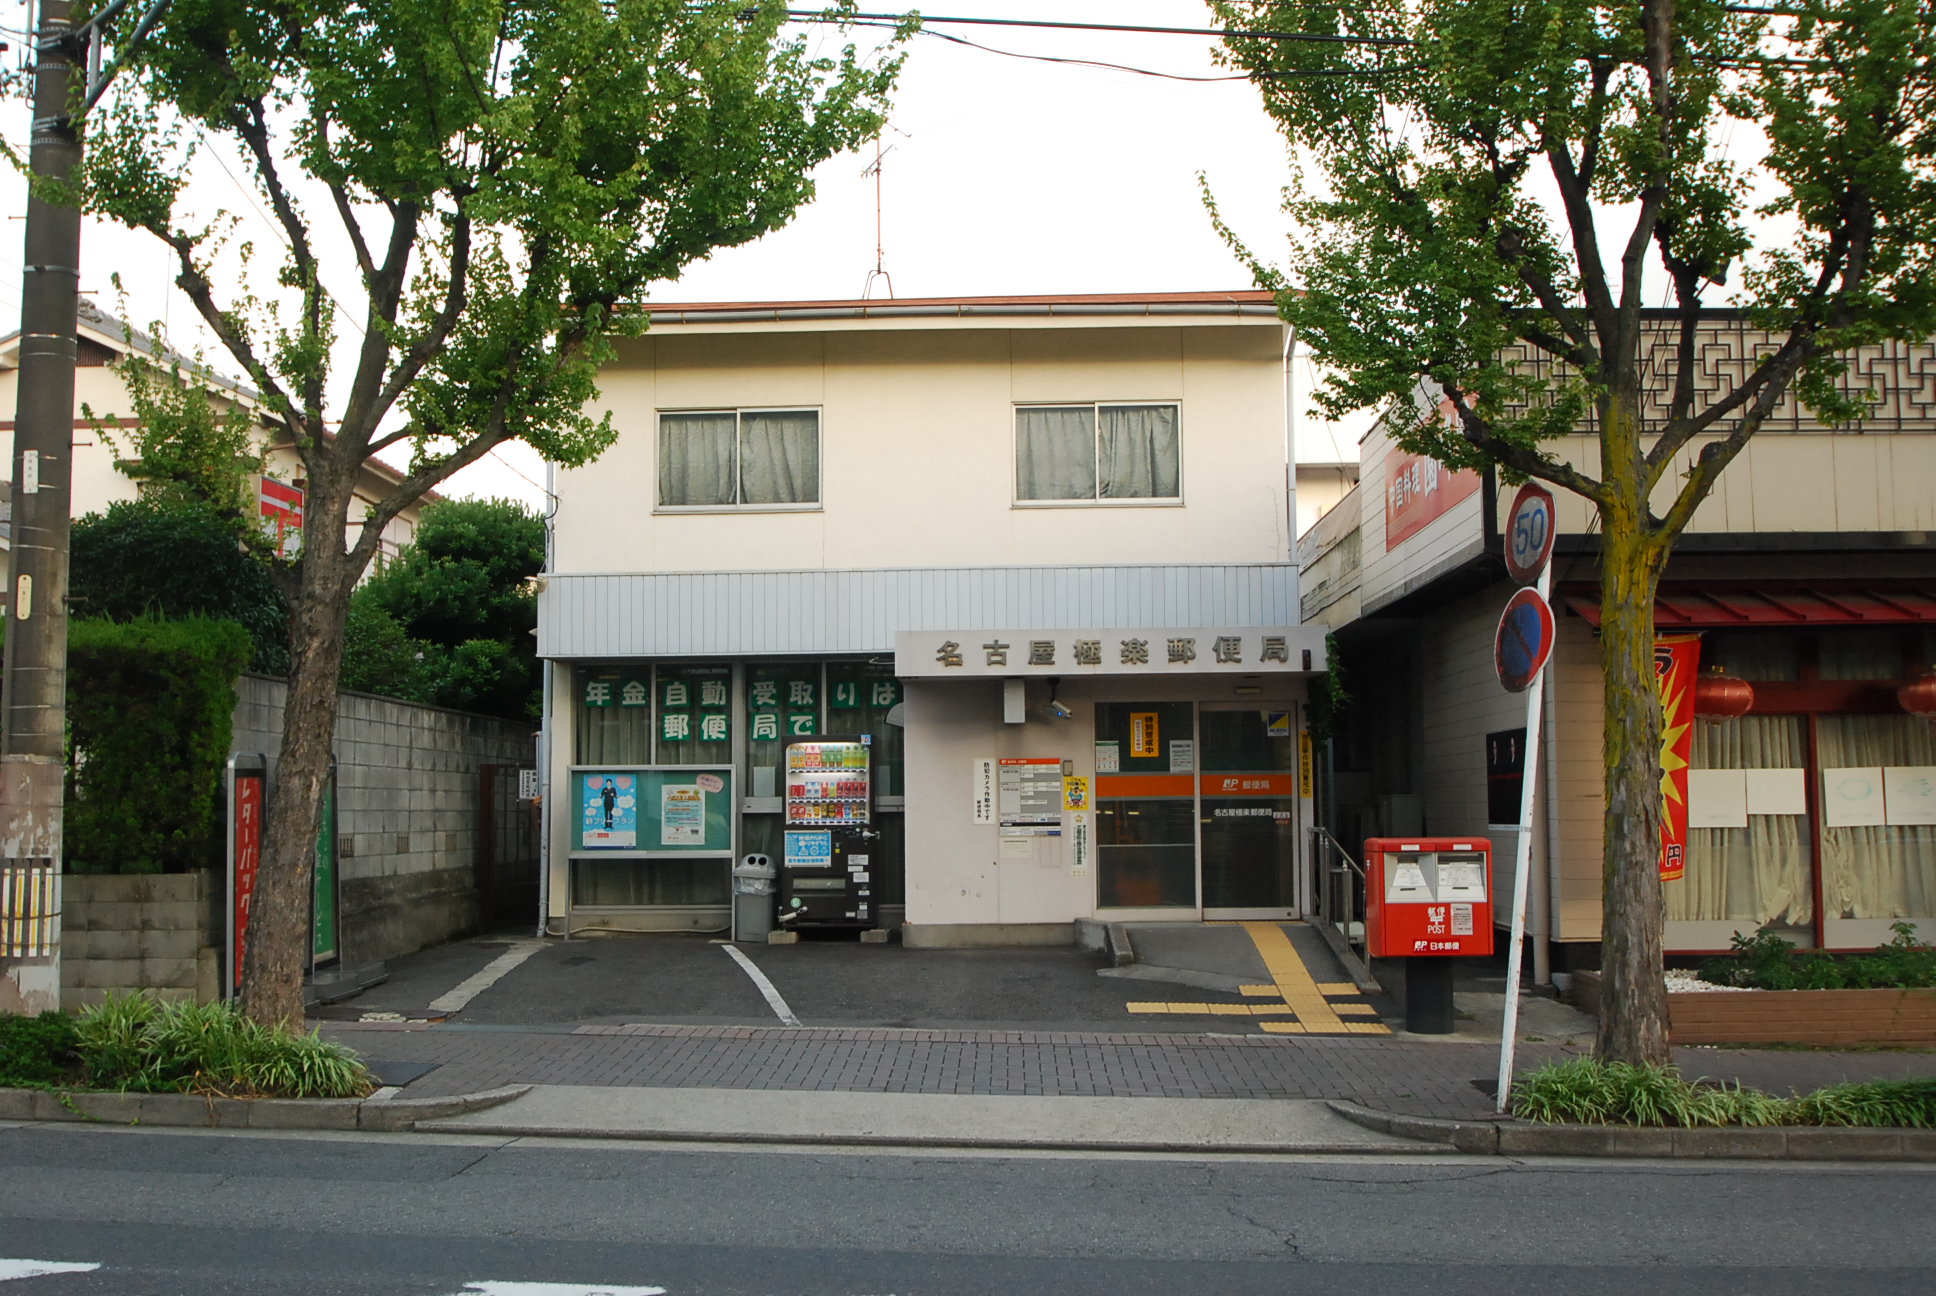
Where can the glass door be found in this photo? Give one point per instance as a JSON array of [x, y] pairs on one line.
[[1247, 811], [1146, 841]]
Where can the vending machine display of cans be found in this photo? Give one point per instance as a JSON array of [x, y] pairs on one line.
[[826, 874]]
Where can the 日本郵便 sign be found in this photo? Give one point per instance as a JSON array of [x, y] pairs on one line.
[[1141, 651]]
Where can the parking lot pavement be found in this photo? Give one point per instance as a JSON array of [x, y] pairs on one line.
[[679, 979]]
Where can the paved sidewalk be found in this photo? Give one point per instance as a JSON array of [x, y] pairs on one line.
[[1399, 1074]]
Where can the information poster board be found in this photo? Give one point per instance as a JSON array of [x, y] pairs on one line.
[[645, 810], [1031, 791]]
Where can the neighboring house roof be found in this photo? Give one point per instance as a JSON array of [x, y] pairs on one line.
[[1242, 302], [96, 325]]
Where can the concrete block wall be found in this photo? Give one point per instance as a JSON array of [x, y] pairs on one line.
[[160, 933], [408, 794]]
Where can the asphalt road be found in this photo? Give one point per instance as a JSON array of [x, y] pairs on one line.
[[213, 1214]]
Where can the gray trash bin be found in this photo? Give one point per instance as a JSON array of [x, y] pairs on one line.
[[753, 898]]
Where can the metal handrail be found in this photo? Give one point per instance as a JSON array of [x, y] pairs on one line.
[[1343, 900]]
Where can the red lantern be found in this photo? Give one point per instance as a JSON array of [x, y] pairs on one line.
[[1918, 697], [1720, 696]]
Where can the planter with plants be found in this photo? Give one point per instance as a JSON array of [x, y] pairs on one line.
[[135, 1044], [1587, 1092], [1784, 995]]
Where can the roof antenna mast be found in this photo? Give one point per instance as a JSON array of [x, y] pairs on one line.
[[880, 257]]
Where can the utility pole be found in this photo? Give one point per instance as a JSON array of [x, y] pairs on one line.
[[33, 695]]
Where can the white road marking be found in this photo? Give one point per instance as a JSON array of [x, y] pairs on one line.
[[41, 1268], [767, 988], [556, 1289], [492, 973]]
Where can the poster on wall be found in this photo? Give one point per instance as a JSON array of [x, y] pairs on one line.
[[610, 812], [1031, 791], [1677, 662], [682, 816]]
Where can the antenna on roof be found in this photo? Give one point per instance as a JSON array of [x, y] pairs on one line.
[[880, 256]]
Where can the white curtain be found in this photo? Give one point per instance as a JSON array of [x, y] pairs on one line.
[[696, 458], [1139, 459], [1055, 452], [1884, 871], [779, 458], [1759, 874]]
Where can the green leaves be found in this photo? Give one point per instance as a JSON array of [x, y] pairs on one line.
[[1497, 187], [505, 174]]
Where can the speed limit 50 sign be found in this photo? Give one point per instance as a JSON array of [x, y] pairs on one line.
[[1529, 533]]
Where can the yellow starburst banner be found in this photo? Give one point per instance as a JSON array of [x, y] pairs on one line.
[[1677, 664]]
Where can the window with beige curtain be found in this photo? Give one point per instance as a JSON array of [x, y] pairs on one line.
[[739, 458], [1097, 452], [1884, 870], [1760, 874]]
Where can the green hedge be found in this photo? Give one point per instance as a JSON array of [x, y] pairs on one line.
[[150, 707]]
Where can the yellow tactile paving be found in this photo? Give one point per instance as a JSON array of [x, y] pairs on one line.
[[1293, 991], [1293, 979]]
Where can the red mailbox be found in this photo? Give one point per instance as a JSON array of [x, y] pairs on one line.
[[1428, 895]]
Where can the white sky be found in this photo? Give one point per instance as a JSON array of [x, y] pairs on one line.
[[1003, 175]]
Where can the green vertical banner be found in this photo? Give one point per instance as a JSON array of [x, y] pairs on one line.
[[324, 936]]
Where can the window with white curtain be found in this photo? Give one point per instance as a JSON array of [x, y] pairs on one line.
[[725, 459], [1097, 453]]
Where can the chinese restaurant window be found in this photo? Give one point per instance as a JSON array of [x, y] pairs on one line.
[[1077, 453], [722, 459]]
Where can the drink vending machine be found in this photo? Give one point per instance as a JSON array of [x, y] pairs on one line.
[[826, 873]]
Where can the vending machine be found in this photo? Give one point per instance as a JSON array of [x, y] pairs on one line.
[[826, 873]]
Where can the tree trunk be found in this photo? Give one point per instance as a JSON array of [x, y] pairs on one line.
[[1633, 1000], [277, 952]]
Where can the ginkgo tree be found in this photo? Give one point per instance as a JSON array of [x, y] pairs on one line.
[[1487, 180], [465, 195]]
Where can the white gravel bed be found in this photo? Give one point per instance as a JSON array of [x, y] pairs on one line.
[[1681, 981]]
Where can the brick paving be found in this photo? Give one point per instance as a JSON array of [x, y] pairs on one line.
[[1422, 1078], [1426, 1078]]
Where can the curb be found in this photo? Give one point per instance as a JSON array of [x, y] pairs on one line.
[[1508, 1137], [171, 1109], [945, 1142]]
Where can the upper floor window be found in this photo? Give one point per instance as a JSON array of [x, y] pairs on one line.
[[716, 459], [1097, 452]]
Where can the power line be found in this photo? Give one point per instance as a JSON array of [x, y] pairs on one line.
[[896, 20]]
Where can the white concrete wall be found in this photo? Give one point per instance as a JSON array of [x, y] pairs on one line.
[[955, 873], [917, 448]]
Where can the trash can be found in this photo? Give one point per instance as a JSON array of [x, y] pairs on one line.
[[753, 898]]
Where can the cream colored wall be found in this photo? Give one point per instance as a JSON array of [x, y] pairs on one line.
[[1579, 792], [955, 873], [96, 482], [1790, 481], [917, 449]]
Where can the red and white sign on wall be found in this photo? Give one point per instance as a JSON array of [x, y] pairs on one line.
[[1419, 490], [281, 508]]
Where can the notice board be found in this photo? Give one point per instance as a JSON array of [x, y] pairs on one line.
[[647, 810]]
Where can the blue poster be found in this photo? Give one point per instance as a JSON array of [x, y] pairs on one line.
[[610, 812], [809, 849]]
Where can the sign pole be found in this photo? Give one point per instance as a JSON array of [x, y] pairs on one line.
[[1528, 553]]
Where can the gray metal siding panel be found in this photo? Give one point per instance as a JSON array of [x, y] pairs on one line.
[[819, 612]]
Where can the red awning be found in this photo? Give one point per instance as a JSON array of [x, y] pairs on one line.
[[1684, 608]]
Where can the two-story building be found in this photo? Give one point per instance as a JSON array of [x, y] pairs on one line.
[[100, 446], [1037, 549], [1808, 575]]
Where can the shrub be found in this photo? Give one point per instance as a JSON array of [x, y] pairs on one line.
[[134, 1043], [1764, 961], [151, 707], [38, 1052], [1586, 1092]]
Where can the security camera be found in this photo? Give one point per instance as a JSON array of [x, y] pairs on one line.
[[1061, 712]]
